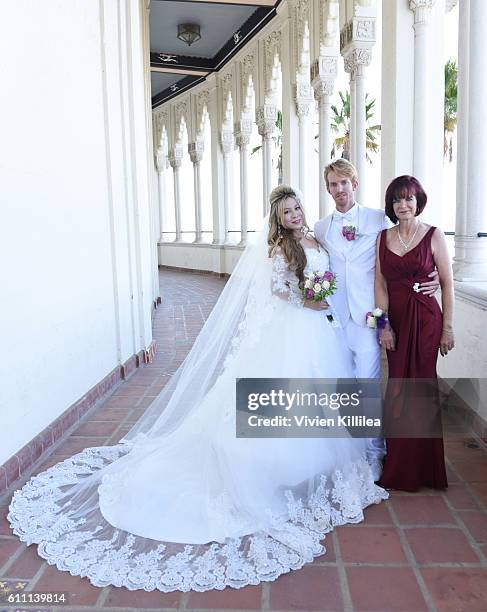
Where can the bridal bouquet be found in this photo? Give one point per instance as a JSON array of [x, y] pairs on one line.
[[318, 286]]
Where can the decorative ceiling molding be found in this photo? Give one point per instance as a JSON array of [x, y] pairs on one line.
[[180, 71], [196, 68], [270, 3]]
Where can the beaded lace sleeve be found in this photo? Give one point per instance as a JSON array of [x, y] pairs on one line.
[[284, 282]]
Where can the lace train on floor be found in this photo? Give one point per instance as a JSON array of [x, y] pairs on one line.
[[72, 534]]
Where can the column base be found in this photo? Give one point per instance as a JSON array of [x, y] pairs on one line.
[[470, 272], [473, 265]]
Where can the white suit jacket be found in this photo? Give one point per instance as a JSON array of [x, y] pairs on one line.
[[355, 266]]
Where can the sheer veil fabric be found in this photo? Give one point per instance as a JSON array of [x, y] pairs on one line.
[[181, 503]]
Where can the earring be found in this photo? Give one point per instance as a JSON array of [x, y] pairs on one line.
[[279, 230]]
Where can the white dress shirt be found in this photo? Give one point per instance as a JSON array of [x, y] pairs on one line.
[[341, 220]]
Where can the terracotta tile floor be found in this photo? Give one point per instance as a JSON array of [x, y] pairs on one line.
[[426, 551]]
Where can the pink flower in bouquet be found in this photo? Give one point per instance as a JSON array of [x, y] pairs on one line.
[[309, 293], [329, 276]]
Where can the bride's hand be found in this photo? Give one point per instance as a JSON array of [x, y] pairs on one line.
[[387, 338], [316, 305]]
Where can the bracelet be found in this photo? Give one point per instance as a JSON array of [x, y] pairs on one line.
[[376, 319]]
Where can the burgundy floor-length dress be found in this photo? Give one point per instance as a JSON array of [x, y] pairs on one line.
[[414, 458]]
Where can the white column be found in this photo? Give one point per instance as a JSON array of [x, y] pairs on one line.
[[303, 100], [462, 135], [355, 62], [360, 137], [422, 10], [195, 150], [325, 144], [175, 160], [323, 74], [161, 165], [266, 119], [243, 140], [227, 143], [353, 123], [218, 209], [474, 265]]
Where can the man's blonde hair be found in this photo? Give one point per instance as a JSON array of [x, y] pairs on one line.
[[342, 167]]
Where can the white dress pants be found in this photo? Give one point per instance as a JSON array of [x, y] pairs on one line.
[[362, 341]]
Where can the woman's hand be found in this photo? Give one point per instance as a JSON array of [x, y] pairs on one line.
[[316, 305], [387, 338], [447, 341]]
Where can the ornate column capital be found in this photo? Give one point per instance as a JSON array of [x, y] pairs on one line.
[[303, 97], [195, 150], [160, 159], [265, 117], [243, 129], [176, 157], [422, 10], [356, 59], [227, 142], [323, 74]]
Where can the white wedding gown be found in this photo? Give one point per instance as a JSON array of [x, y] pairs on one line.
[[195, 507]]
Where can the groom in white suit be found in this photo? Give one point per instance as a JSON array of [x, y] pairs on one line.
[[349, 235]]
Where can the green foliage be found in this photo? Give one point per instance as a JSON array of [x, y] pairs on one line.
[[340, 125], [450, 110]]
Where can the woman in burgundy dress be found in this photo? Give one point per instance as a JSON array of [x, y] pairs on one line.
[[416, 329]]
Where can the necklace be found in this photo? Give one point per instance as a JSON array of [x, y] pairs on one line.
[[406, 245]]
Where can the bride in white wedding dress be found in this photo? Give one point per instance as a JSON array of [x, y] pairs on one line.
[[181, 503]]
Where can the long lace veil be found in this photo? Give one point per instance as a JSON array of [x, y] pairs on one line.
[[245, 295]]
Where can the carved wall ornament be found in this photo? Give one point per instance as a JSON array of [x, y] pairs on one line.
[[301, 31], [365, 29], [346, 35], [168, 58], [417, 4], [272, 46], [325, 66]]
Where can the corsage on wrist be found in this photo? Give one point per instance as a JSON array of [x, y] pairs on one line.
[[377, 319]]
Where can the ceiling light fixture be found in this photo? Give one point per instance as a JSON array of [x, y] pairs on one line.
[[189, 32]]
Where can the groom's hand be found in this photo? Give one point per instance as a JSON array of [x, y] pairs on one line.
[[430, 287]]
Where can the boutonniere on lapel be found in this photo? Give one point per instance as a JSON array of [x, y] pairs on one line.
[[349, 232]]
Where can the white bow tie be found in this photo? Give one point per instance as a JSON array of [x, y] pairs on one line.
[[343, 216]]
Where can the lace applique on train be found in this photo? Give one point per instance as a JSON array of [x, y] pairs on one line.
[[43, 513]]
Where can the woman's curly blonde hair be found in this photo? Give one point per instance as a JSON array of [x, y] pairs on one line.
[[281, 237]]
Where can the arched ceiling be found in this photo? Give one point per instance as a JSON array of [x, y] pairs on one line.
[[225, 26]]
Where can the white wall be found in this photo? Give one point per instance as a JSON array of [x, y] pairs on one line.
[[77, 260], [468, 360], [209, 257]]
